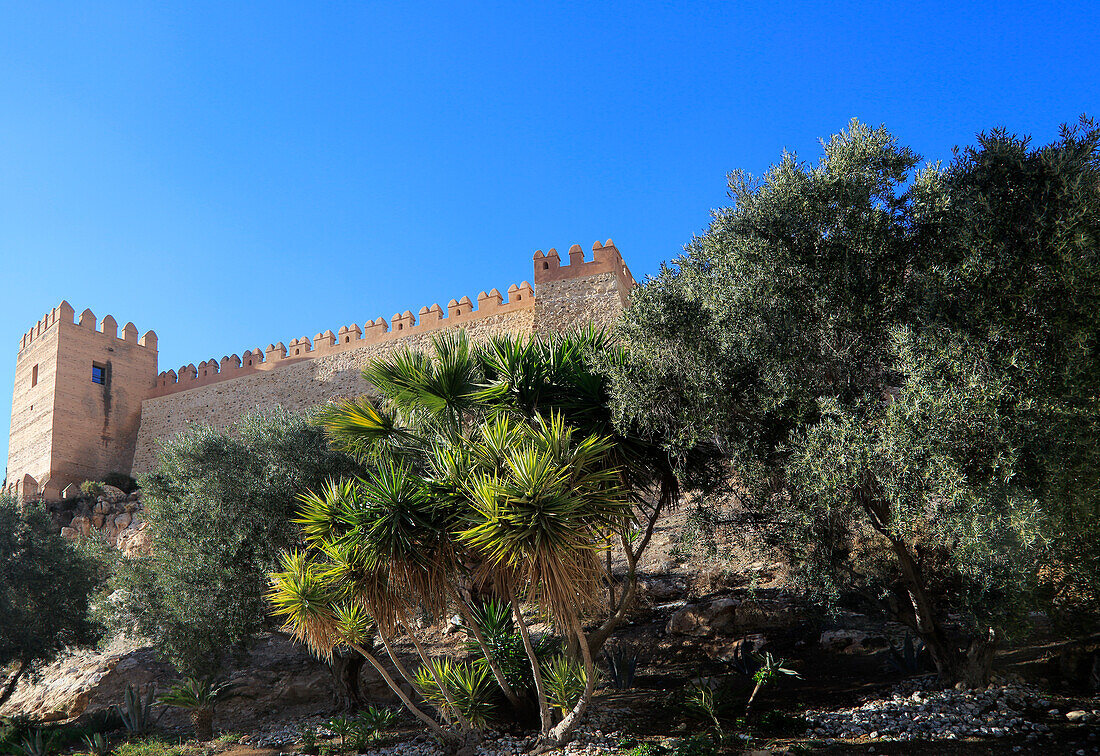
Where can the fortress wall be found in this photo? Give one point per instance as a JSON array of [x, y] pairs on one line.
[[300, 386], [304, 374], [460, 312]]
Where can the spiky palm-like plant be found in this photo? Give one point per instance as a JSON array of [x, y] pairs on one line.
[[477, 481], [199, 697], [540, 523]]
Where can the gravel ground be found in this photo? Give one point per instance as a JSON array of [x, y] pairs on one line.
[[917, 711], [588, 742]]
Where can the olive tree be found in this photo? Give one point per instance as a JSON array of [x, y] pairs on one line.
[[880, 351], [45, 585], [219, 508]]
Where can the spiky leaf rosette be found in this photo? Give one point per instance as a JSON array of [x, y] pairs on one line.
[[543, 519], [300, 595]]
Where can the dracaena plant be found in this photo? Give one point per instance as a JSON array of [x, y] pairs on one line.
[[463, 489]]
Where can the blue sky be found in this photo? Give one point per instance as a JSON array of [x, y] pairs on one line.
[[234, 174]]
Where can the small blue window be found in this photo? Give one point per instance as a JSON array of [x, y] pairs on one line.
[[97, 374]]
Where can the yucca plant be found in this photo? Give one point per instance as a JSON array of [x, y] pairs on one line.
[[465, 488], [470, 686], [199, 696], [771, 667], [136, 712], [566, 681]]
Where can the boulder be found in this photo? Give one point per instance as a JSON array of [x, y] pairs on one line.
[[69, 534], [741, 650], [276, 678], [845, 639], [660, 589], [703, 620], [135, 541], [122, 521], [81, 525], [113, 494]]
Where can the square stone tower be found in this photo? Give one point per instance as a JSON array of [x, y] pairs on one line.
[[76, 406]]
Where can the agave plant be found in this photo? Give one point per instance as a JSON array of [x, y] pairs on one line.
[[199, 696], [622, 662], [96, 744], [136, 712], [40, 743]]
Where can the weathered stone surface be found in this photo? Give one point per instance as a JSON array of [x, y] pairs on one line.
[[704, 619], [113, 494], [135, 541], [274, 675], [69, 534], [81, 525], [660, 589]]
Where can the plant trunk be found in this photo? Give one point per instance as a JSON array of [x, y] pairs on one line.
[[9, 686], [402, 671], [979, 660], [416, 712], [924, 621], [565, 727], [948, 660], [494, 666], [540, 689], [626, 599], [203, 722], [752, 699], [443, 688], [346, 668]]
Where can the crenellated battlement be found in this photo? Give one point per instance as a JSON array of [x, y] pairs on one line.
[[352, 336], [605, 259], [547, 269], [88, 399], [107, 327]]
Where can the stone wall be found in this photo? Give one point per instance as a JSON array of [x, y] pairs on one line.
[[298, 387], [31, 413]]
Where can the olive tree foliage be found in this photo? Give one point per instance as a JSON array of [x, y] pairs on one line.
[[901, 365], [45, 585], [219, 508]]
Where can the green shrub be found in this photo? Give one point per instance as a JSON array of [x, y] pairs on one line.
[[648, 748], [219, 508], [45, 587], [696, 745], [308, 735], [91, 488]]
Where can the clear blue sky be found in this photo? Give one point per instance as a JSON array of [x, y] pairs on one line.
[[234, 174]]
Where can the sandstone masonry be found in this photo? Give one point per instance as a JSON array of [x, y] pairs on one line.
[[88, 402]]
